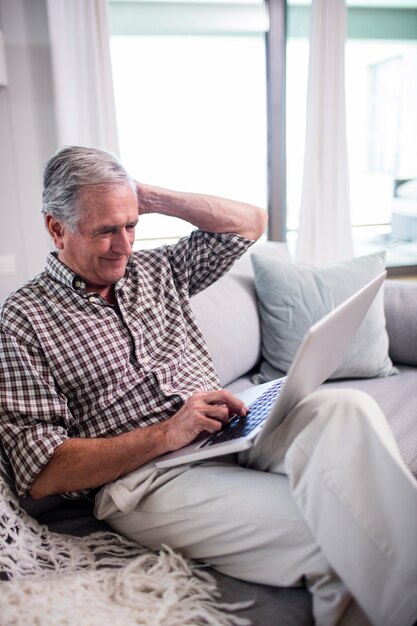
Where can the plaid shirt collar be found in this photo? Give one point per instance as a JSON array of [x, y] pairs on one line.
[[61, 273]]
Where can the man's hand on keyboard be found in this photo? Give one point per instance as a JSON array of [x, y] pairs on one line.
[[204, 411]]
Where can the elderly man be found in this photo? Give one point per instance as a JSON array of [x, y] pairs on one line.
[[104, 369]]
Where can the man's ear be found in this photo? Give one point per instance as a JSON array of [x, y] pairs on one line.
[[56, 230]]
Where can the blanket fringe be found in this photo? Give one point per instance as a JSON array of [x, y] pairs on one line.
[[51, 579]]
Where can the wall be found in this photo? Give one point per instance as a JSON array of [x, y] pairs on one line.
[[27, 138]]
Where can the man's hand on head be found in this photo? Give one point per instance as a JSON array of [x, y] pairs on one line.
[[144, 197], [204, 411]]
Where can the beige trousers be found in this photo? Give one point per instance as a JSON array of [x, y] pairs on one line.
[[325, 500]]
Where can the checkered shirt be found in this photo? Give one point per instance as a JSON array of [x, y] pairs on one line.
[[74, 366]]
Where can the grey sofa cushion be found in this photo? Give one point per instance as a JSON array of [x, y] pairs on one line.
[[401, 319], [227, 313], [293, 296], [397, 397], [228, 317]]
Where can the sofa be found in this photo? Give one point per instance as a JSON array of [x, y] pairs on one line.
[[229, 315]]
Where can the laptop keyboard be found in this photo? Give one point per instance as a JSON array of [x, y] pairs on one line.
[[242, 426]]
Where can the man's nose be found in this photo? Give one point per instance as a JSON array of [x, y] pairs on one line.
[[122, 242]]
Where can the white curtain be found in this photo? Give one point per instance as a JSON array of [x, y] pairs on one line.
[[325, 225], [84, 98]]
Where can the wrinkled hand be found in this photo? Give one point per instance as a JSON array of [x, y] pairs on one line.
[[204, 411], [142, 195]]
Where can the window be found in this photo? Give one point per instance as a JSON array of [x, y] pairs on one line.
[[381, 100], [380, 124], [190, 90], [385, 99]]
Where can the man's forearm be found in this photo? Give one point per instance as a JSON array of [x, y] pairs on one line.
[[209, 213], [87, 463]]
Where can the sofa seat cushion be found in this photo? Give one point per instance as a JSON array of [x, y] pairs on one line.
[[397, 397]]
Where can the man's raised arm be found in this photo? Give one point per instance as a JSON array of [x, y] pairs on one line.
[[209, 213]]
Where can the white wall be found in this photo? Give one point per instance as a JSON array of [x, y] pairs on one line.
[[27, 137]]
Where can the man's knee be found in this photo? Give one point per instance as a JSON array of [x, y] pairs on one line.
[[338, 395], [342, 404], [329, 418]]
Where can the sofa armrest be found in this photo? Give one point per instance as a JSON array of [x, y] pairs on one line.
[[400, 301]]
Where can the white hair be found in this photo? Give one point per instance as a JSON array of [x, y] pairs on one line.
[[71, 169]]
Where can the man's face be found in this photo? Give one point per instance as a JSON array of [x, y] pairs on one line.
[[99, 251]]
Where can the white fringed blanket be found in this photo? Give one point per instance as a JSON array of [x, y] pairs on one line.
[[49, 579]]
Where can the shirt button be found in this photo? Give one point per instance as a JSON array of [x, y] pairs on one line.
[[77, 284]]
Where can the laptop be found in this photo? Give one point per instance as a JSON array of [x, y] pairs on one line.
[[317, 357]]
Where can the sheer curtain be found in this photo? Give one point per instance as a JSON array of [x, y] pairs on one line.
[[80, 49], [325, 225]]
